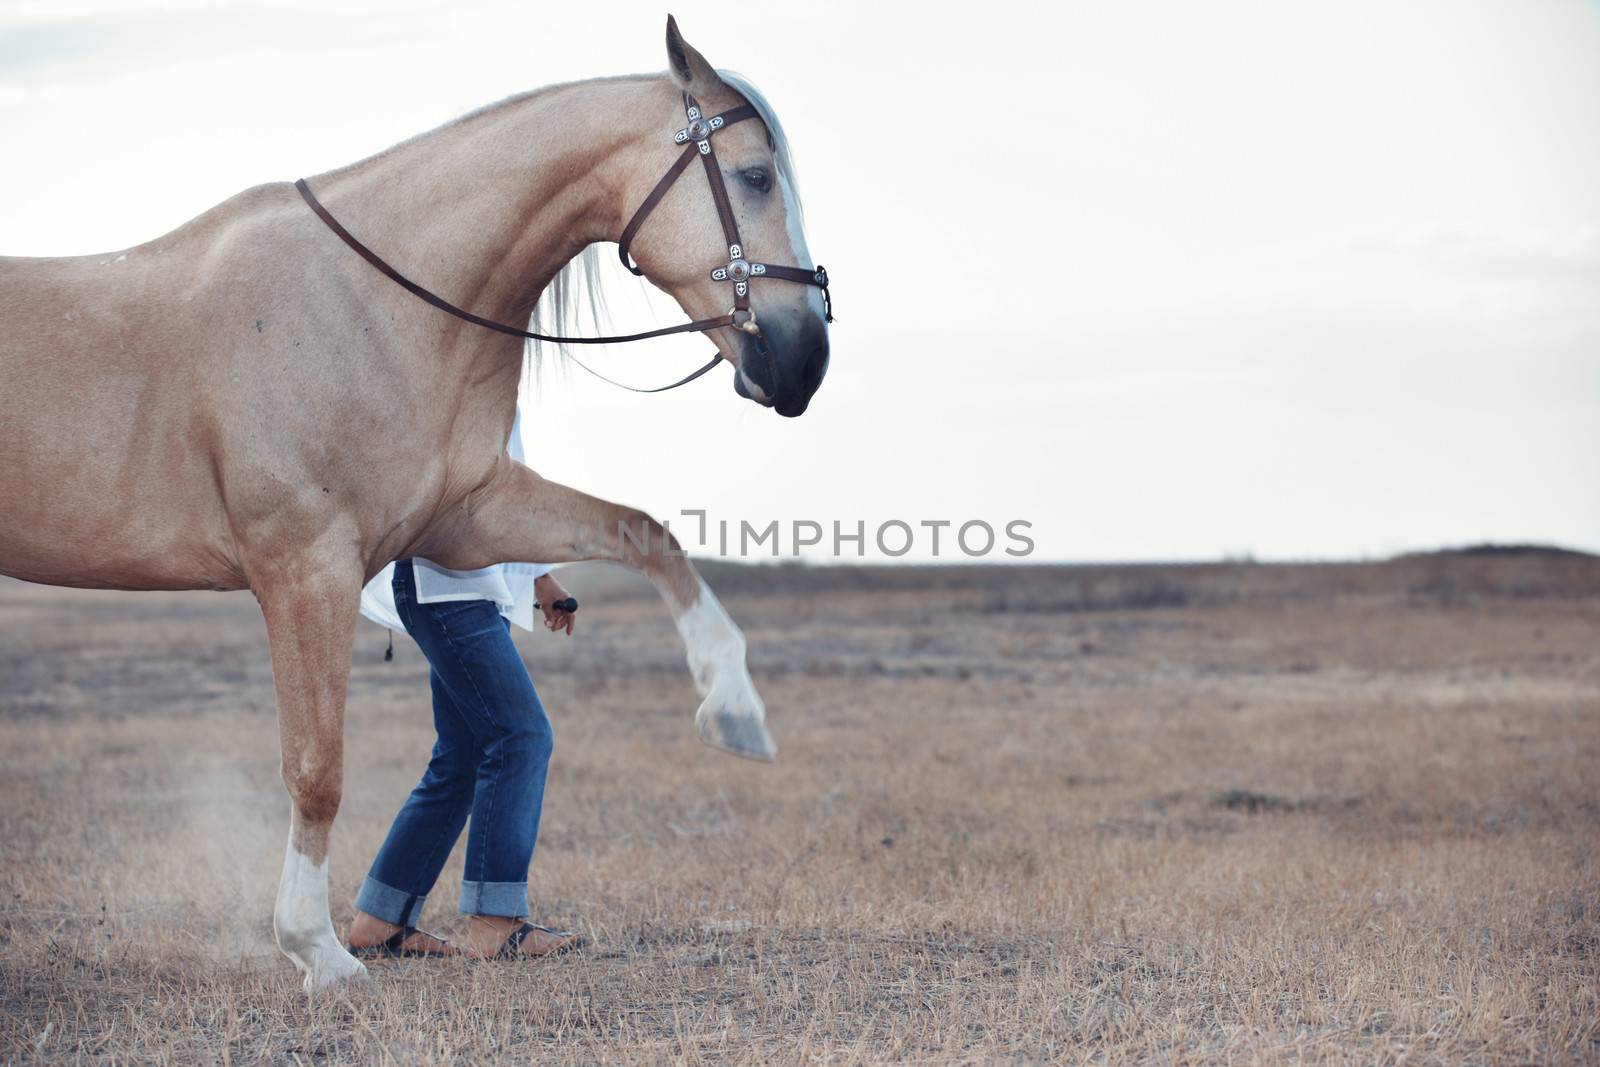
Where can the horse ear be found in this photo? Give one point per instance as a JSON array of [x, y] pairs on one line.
[[689, 68]]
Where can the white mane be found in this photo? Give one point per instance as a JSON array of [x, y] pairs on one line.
[[575, 297]]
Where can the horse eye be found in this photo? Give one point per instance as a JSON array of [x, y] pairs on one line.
[[758, 179]]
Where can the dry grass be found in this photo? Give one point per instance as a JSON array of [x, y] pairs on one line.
[[1230, 813]]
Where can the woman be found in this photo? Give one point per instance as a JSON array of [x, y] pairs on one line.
[[489, 760]]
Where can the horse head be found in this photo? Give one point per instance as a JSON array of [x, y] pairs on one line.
[[731, 235]]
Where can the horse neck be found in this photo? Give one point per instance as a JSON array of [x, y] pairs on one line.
[[487, 209]]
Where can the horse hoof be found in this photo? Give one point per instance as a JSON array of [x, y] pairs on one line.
[[739, 730], [336, 971]]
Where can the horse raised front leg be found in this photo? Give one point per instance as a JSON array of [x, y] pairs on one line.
[[518, 515], [311, 613]]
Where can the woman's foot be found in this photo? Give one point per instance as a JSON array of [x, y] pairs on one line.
[[496, 936], [366, 931]]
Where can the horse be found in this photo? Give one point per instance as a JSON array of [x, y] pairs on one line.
[[217, 408]]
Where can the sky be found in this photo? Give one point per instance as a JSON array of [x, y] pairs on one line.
[[1165, 280]]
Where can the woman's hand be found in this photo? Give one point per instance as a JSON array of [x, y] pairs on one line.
[[548, 591]]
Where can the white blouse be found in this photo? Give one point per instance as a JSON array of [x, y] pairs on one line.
[[509, 585]]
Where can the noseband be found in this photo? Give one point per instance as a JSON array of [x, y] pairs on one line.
[[740, 271]]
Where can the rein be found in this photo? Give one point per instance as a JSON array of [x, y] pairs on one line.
[[696, 139]]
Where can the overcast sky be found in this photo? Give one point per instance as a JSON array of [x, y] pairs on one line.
[[1168, 280]]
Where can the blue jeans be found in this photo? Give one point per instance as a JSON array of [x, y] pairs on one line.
[[488, 763]]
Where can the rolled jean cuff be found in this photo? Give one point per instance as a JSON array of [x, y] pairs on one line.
[[390, 904], [506, 899]]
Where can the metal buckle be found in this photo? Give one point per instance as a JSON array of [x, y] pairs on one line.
[[745, 319]]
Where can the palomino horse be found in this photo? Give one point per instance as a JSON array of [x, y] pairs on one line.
[[246, 403]]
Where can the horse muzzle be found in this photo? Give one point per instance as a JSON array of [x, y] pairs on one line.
[[782, 366]]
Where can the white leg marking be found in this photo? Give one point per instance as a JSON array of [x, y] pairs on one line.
[[732, 716], [303, 925]]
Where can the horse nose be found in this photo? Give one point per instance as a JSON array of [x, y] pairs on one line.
[[810, 375]]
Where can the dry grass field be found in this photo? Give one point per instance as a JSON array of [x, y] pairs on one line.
[[1229, 813]]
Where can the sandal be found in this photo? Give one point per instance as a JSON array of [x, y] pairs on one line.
[[392, 948], [512, 949]]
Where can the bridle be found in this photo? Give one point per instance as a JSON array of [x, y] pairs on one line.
[[696, 139]]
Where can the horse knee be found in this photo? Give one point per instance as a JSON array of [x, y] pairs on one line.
[[315, 787], [645, 538]]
